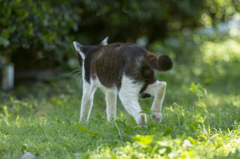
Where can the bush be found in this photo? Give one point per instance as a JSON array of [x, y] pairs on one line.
[[40, 33], [29, 28]]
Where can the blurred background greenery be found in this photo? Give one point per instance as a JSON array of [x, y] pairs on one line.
[[201, 36]]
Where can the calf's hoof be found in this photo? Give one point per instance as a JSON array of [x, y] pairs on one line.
[[141, 119], [157, 116]]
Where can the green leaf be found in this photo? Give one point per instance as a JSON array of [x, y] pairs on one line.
[[89, 132], [169, 130], [87, 156], [198, 90]]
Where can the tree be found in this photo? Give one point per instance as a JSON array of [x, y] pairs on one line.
[[41, 32]]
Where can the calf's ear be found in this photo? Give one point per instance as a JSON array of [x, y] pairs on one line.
[[77, 46], [104, 42]]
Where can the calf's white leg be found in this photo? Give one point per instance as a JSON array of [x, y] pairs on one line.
[[111, 102], [87, 101], [129, 97], [157, 89]]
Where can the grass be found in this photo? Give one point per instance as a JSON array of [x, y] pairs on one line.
[[200, 118], [45, 122]]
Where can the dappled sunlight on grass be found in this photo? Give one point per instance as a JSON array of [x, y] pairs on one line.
[[208, 124]]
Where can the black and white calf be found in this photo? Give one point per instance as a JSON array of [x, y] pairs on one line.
[[125, 69]]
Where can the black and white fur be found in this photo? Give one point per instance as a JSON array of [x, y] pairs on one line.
[[125, 69]]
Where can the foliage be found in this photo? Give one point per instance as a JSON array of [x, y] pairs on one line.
[[42, 31], [31, 30]]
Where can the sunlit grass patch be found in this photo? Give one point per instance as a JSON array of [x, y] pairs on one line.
[[206, 128], [201, 130]]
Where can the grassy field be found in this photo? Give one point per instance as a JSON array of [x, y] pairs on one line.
[[200, 114]]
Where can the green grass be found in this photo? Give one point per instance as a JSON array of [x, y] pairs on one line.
[[201, 115], [44, 121]]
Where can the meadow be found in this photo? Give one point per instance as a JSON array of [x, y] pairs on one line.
[[200, 111]]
